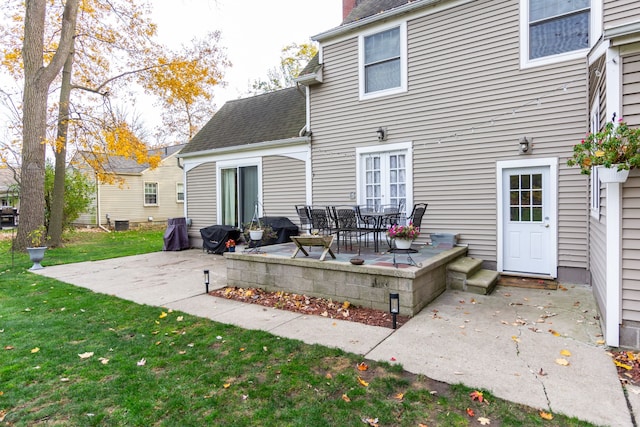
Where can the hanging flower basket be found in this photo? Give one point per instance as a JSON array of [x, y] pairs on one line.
[[612, 174]]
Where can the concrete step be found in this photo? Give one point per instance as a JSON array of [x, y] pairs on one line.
[[460, 270], [482, 282]]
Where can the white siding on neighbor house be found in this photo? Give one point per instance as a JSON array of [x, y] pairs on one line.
[[620, 12], [201, 197], [463, 73], [89, 217], [283, 182]]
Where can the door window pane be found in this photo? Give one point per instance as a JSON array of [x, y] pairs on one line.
[[525, 204]]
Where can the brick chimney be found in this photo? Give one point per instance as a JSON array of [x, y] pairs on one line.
[[347, 7]]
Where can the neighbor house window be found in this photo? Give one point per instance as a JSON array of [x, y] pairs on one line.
[[180, 192], [150, 193], [383, 58], [554, 29]]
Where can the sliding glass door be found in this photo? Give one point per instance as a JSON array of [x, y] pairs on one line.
[[239, 193]]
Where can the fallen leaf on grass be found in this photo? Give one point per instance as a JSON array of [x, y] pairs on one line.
[[362, 366], [399, 396], [3, 413], [163, 315], [103, 360], [179, 318], [546, 416], [9, 347], [227, 385], [35, 350], [328, 376], [142, 362], [346, 398], [477, 395], [372, 422], [484, 421], [562, 362], [363, 382], [470, 412]]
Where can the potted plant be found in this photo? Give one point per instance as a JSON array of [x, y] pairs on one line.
[[616, 148], [403, 235], [257, 232], [231, 245], [37, 248]]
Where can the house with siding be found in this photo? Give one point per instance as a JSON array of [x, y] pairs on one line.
[[471, 106], [140, 194], [253, 152]]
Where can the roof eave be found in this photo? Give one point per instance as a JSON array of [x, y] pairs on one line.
[[623, 34], [310, 79], [257, 146]]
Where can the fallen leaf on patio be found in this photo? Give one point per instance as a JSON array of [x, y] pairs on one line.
[[562, 288], [163, 315], [362, 366], [142, 362], [515, 338], [227, 385], [566, 353], [546, 415], [600, 342], [346, 398], [484, 421], [363, 382], [504, 322], [562, 362], [346, 305], [476, 395], [324, 314], [554, 333], [470, 412], [399, 396], [393, 359], [35, 349], [103, 360]]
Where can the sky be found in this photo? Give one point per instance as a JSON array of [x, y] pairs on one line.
[[253, 31]]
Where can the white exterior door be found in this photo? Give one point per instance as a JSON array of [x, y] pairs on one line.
[[528, 221]]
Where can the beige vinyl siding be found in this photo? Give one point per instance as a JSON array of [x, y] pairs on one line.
[[201, 197], [631, 196], [464, 72], [283, 183], [89, 217], [620, 12]]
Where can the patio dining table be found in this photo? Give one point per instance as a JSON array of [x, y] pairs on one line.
[[379, 220]]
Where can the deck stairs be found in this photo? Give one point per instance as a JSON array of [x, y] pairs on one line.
[[467, 274]]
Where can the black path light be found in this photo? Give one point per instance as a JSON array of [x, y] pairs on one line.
[[394, 307], [206, 280]]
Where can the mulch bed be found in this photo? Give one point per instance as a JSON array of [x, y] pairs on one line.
[[628, 365], [342, 310]]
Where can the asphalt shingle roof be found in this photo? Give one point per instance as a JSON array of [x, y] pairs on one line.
[[121, 164], [366, 8], [271, 116]]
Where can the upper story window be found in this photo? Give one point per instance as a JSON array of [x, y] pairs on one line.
[[553, 30], [150, 193], [383, 59]]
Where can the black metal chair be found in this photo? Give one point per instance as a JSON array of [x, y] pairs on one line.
[[304, 217], [346, 224], [417, 213], [320, 219]]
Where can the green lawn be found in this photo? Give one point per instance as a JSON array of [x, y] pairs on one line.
[[69, 356]]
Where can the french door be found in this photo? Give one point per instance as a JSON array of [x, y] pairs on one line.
[[384, 179], [239, 193]]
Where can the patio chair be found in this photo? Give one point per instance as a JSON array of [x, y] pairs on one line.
[[320, 219], [346, 224], [417, 213], [305, 218]]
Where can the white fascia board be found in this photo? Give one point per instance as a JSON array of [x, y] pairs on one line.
[[258, 146]]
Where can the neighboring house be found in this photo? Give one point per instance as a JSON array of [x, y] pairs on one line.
[[142, 194], [471, 106], [252, 151], [8, 188]]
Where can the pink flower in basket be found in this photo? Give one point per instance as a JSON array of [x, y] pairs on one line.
[[408, 232]]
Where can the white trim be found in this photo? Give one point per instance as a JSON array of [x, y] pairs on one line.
[[144, 193], [178, 192], [403, 61], [552, 163], [236, 163], [387, 148], [613, 276], [525, 62], [614, 83], [594, 182]]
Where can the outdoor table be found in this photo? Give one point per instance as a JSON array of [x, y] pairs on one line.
[[309, 240], [379, 218]]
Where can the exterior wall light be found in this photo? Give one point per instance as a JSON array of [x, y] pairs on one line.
[[382, 133], [525, 144], [394, 307]]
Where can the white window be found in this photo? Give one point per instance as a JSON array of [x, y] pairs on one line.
[[553, 30], [595, 179], [383, 62], [179, 192], [150, 193]]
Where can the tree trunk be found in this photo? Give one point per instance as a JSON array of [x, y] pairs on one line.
[[37, 79], [56, 220]]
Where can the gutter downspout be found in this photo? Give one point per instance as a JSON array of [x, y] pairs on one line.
[[98, 205], [308, 164]]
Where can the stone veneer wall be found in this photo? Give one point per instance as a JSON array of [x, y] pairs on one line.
[[365, 285]]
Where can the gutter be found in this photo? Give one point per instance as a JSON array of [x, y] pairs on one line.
[[247, 147], [622, 31]]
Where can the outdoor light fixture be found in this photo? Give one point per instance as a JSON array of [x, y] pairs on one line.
[[525, 144], [394, 306], [206, 280], [382, 133]]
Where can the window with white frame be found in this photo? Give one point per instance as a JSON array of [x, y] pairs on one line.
[[554, 29], [595, 179], [150, 193], [180, 192], [383, 58]]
